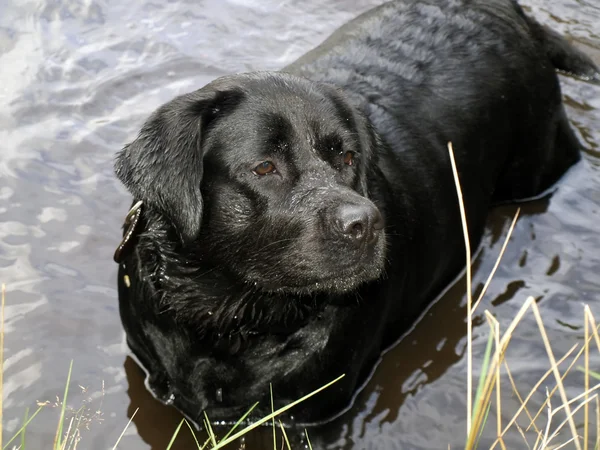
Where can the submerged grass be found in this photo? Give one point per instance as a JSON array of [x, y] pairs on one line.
[[494, 373]]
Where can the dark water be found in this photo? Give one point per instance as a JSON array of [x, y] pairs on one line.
[[76, 80]]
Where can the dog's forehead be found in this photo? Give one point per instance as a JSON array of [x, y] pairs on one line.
[[290, 119], [297, 121], [298, 100]]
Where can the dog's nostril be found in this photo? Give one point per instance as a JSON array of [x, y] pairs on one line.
[[357, 230], [359, 222]]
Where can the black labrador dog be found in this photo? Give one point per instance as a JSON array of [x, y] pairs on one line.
[[289, 225]]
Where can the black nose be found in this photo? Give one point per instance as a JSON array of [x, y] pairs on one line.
[[360, 222]]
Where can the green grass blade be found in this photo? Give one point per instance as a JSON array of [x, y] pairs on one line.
[[175, 435], [287, 442], [211, 433], [22, 447], [61, 419], [240, 421], [240, 433], [18, 433], [193, 435], [308, 440], [593, 374], [205, 444], [487, 412], [272, 411], [484, 369]]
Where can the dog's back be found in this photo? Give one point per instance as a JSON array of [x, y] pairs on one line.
[[456, 64]]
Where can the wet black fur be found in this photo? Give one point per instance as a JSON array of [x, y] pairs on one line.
[[239, 281]]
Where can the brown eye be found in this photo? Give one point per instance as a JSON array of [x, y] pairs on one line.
[[264, 168], [349, 158]]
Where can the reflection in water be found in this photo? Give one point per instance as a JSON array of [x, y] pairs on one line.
[[511, 290], [154, 421], [77, 80]]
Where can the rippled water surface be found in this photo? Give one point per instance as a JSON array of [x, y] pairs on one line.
[[77, 78]]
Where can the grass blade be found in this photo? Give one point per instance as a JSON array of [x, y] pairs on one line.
[[245, 430], [586, 375], [561, 388], [569, 419], [308, 440], [555, 388], [483, 395], [273, 410], [463, 218], [592, 374], [193, 434], [240, 421], [175, 435], [125, 429], [2, 359], [484, 370], [211, 433], [20, 430], [498, 387], [61, 419], [597, 424], [497, 359], [287, 442], [67, 435], [497, 263], [22, 447], [205, 443], [485, 418]]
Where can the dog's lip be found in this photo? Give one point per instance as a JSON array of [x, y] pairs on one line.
[[342, 276], [360, 266]]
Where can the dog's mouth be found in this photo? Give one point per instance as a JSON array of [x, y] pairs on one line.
[[336, 280], [336, 285]]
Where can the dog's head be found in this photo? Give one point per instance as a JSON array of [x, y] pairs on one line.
[[265, 175]]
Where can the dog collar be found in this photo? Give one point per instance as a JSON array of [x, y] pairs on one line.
[[130, 225]]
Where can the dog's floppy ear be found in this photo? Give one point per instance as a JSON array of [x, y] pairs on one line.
[[163, 165]]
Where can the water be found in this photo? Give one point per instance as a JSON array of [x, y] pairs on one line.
[[77, 79]]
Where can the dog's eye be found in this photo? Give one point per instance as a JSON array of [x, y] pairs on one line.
[[264, 168], [349, 158]]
